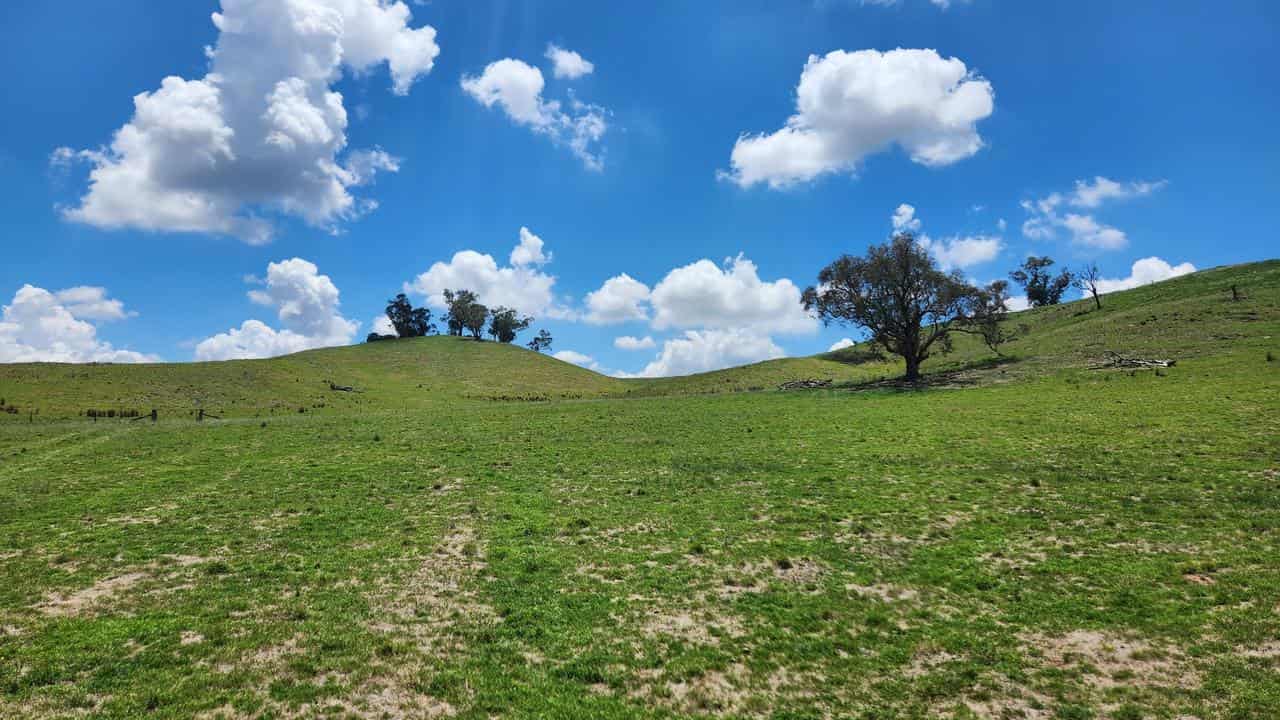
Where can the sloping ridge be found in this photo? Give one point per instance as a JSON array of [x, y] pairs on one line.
[[1187, 317]]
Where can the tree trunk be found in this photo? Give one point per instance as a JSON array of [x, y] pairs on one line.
[[1096, 300], [913, 368]]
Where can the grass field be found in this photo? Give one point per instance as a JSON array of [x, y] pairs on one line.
[[486, 532]]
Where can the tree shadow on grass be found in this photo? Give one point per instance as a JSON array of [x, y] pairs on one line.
[[970, 374]]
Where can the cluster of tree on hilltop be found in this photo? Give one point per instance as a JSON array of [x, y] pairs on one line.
[[464, 315], [897, 292], [911, 308]]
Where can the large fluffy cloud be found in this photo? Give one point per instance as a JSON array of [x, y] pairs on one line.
[[521, 285], [852, 104], [963, 251], [1144, 272], [42, 326], [705, 350], [306, 305], [620, 299], [529, 251], [1047, 215], [727, 314], [516, 87], [706, 295], [88, 302], [262, 132]]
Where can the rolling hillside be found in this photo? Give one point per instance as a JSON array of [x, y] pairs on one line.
[[1188, 317], [1054, 543]]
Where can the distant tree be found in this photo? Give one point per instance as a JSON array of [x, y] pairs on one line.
[[505, 323], [1043, 288], [541, 343], [458, 303], [991, 306], [375, 337], [408, 320], [1087, 281], [472, 317], [898, 293]]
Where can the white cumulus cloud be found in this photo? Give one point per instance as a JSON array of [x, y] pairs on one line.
[[1017, 303], [620, 299], [42, 326], [630, 343], [963, 252], [306, 305], [580, 359], [951, 252], [567, 63], [706, 295], [381, 324], [841, 344], [520, 285], [905, 220], [87, 302], [529, 251], [263, 132], [704, 350], [852, 104], [1144, 272], [516, 87]]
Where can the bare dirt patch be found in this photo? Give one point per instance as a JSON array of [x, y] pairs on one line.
[[440, 594], [884, 592], [1007, 702], [1108, 660], [80, 601], [1266, 651], [104, 591], [385, 702], [735, 690], [433, 605], [754, 577], [801, 572], [699, 628]]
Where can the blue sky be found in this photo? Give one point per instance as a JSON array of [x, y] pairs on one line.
[[1096, 131]]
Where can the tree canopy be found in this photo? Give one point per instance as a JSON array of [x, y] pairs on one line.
[[460, 304], [909, 306], [505, 323], [1042, 287], [541, 343], [408, 320]]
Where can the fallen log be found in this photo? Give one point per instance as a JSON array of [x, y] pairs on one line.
[[811, 384], [341, 388], [1116, 360]]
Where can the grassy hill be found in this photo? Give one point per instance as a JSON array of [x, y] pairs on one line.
[[1188, 317], [1056, 542]]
